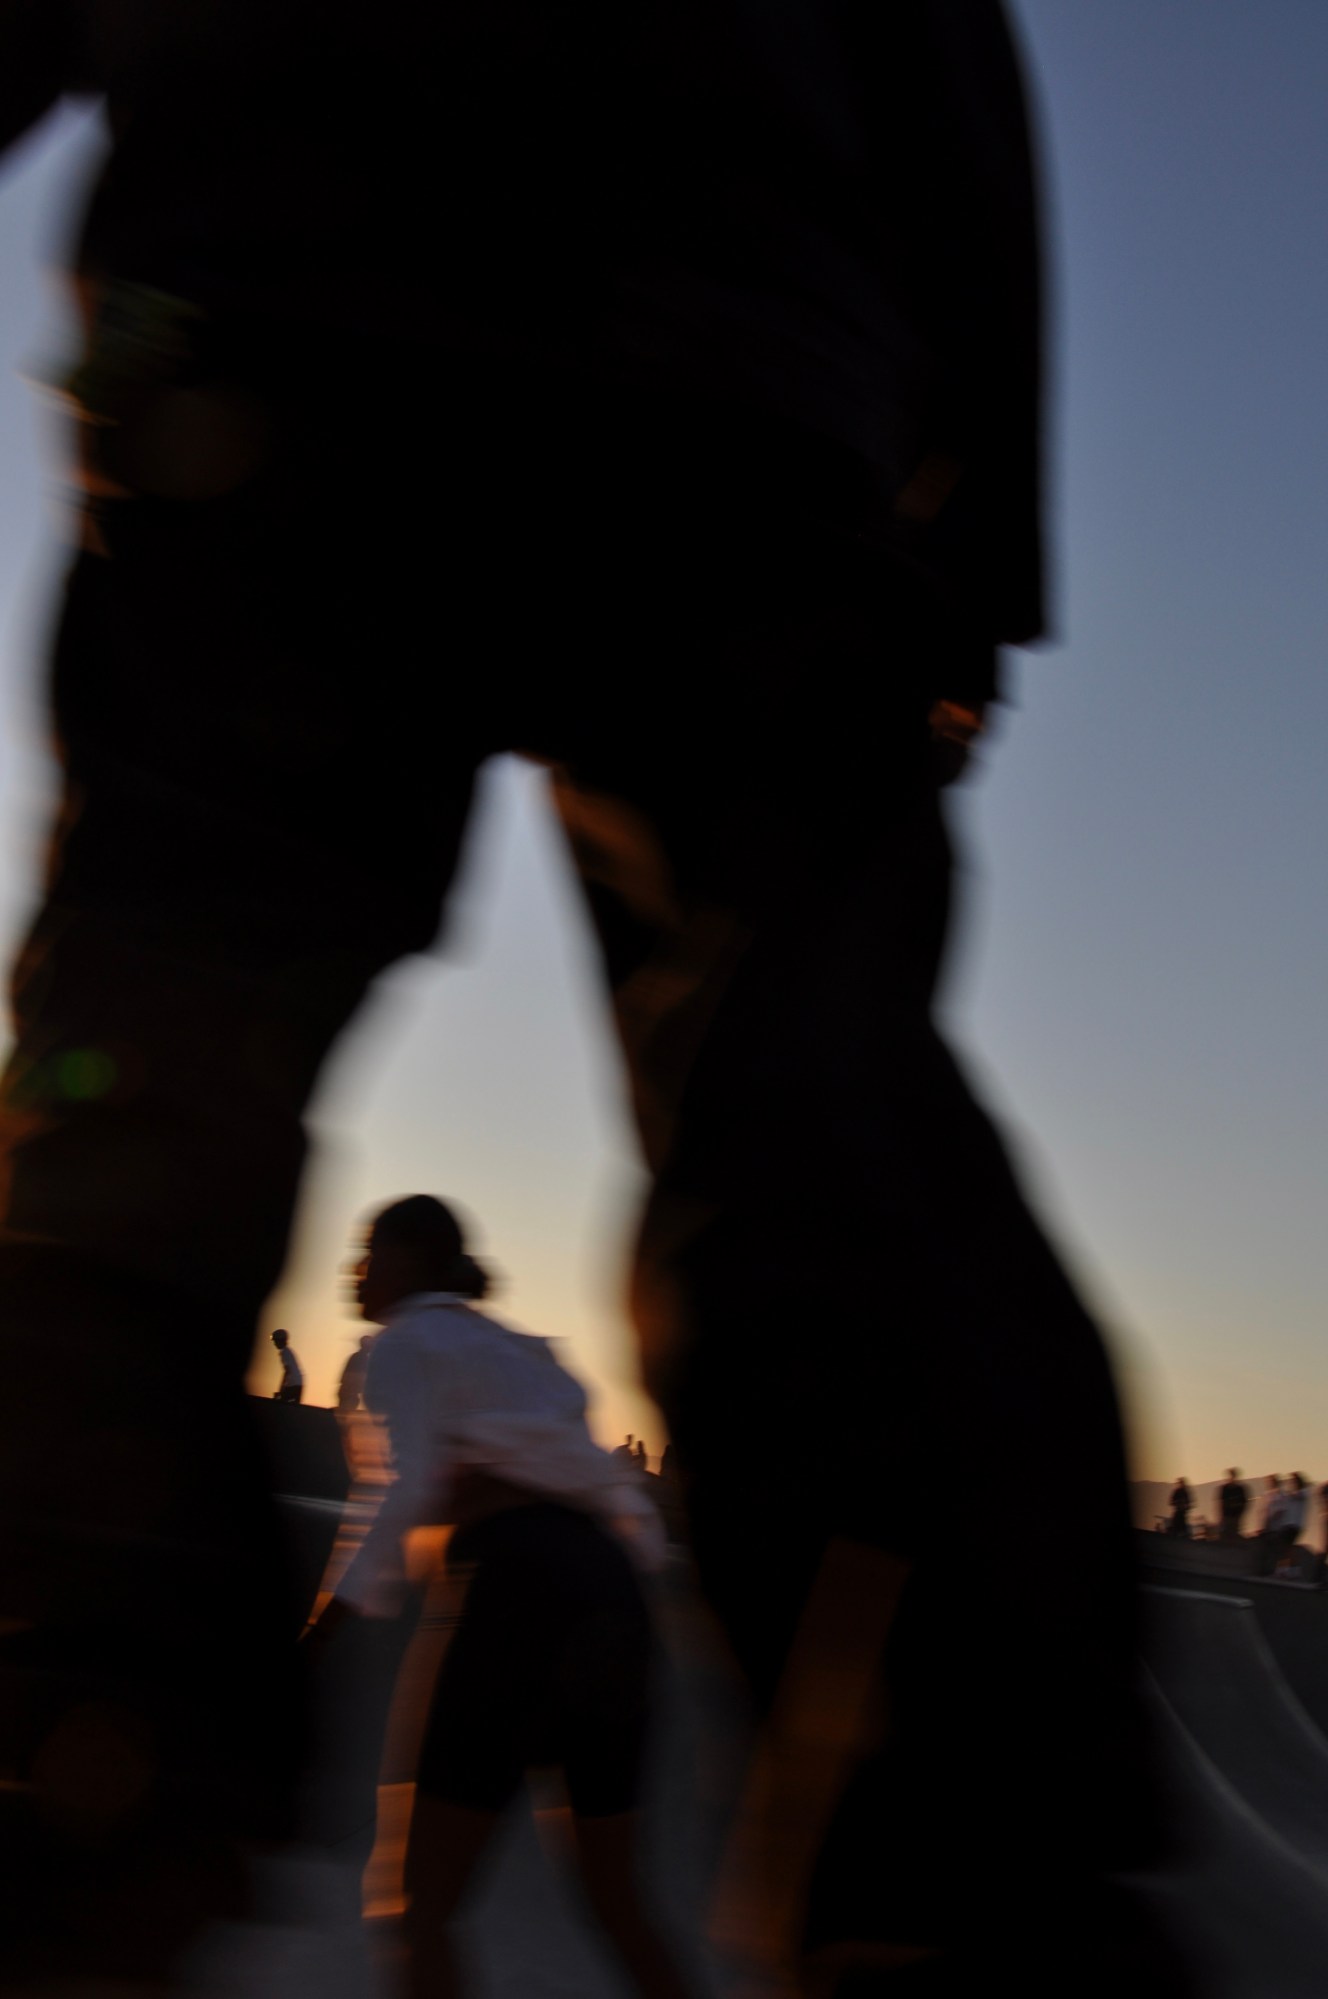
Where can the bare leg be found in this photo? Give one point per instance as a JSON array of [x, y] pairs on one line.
[[447, 1843], [607, 1859]]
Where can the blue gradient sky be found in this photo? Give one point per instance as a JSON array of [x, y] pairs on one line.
[[1141, 982]]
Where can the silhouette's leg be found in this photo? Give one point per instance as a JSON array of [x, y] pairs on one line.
[[214, 914], [837, 1263], [608, 1860], [446, 1846]]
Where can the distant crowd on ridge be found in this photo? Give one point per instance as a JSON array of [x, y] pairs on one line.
[[1280, 1518]]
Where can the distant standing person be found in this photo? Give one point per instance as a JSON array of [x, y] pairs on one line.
[[1291, 1518], [292, 1374], [642, 1463], [351, 1386], [1269, 1522], [1234, 1498], [1182, 1499], [1270, 1505]]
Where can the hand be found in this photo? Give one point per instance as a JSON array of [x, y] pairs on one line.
[[333, 1617], [955, 727]]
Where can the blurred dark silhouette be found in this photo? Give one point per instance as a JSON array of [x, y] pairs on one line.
[[653, 391], [1234, 1500], [1182, 1499]]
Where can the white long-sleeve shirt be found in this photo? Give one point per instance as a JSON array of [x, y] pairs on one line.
[[459, 1390]]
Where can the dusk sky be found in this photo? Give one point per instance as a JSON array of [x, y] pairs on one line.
[[1141, 981]]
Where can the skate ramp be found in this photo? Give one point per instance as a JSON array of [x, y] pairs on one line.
[[310, 1480], [1247, 1773], [1220, 1679]]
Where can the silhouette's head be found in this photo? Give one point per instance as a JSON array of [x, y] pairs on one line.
[[1233, 1473], [414, 1245], [1272, 1481], [280, 1338]]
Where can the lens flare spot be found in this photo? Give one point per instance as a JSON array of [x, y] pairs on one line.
[[85, 1074]]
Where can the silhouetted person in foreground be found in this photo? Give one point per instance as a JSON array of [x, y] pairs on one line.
[[292, 1374], [1182, 1499], [697, 348], [1233, 1499], [551, 1661]]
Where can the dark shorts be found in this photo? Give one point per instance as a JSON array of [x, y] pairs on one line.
[[550, 1665]]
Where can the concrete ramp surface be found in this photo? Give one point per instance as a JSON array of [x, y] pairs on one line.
[[1248, 1774], [1219, 1677]]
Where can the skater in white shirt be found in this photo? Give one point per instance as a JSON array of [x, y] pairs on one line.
[[551, 1661]]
